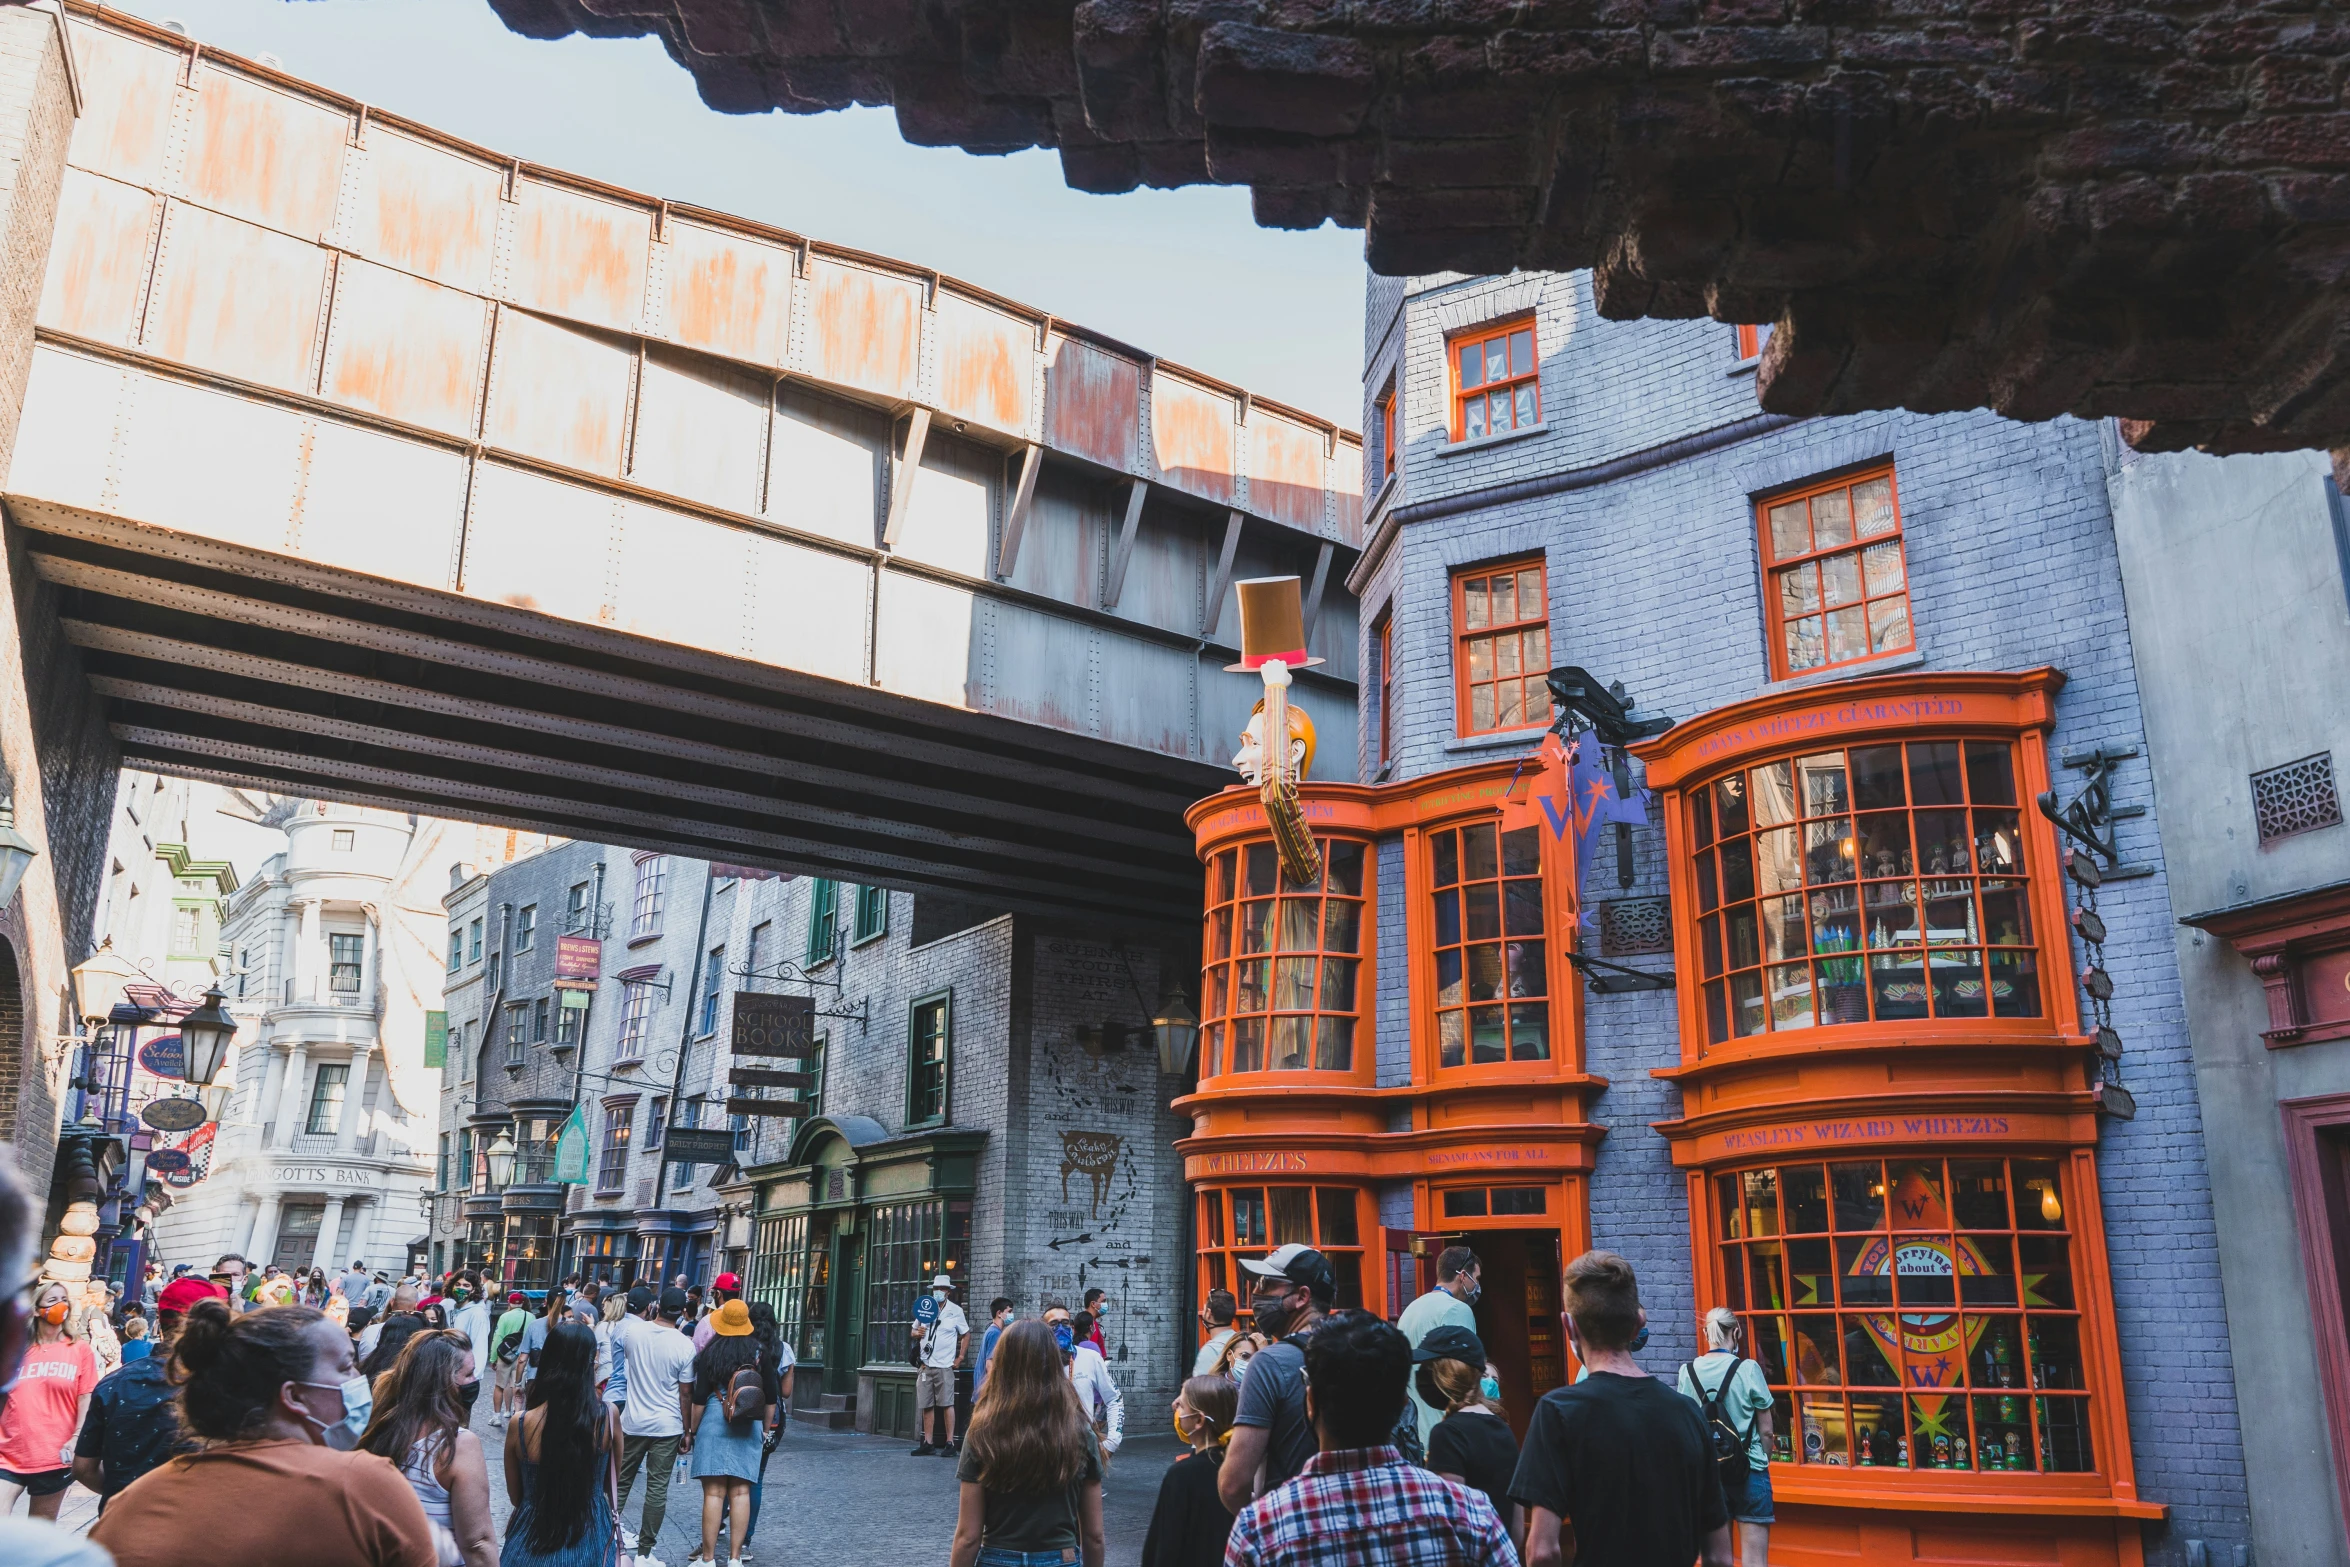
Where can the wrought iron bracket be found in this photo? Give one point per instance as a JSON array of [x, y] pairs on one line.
[[2089, 819], [1614, 979], [790, 973]]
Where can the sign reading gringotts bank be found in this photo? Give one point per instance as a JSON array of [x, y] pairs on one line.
[[1811, 722]]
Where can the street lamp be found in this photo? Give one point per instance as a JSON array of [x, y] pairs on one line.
[[204, 1039], [1177, 1028], [98, 981], [501, 1158], [16, 850]]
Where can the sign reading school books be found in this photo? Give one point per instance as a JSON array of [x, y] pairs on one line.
[[577, 962], [767, 1025]]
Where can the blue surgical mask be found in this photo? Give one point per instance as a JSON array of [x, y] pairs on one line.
[[1639, 1341], [1063, 1337], [358, 1403], [1491, 1388]]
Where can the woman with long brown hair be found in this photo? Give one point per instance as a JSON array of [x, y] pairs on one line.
[[1031, 1469], [419, 1425]]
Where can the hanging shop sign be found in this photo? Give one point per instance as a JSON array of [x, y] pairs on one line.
[[698, 1145], [165, 1056], [578, 960], [174, 1115], [571, 1150], [790, 1109], [198, 1148], [773, 1025], [168, 1161]]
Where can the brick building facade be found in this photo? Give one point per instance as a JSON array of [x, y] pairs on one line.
[[1968, 596]]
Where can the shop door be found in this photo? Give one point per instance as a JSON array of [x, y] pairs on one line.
[[1518, 1316], [845, 1348], [1411, 1266], [297, 1238]]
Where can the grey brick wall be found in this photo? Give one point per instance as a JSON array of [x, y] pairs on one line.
[[1655, 580]]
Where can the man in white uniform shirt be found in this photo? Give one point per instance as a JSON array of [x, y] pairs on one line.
[[652, 1417], [941, 1331]]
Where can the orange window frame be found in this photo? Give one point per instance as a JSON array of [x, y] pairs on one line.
[[1478, 392], [1286, 972], [1835, 579], [1385, 405], [1383, 648], [1499, 650], [1237, 1220], [1751, 339]]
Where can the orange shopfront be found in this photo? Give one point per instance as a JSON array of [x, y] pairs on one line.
[[1888, 1130], [1311, 1105]]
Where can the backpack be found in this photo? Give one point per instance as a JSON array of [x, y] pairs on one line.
[[509, 1346], [746, 1403], [1729, 1443]]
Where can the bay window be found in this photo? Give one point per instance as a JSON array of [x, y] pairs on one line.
[[1244, 1222], [1491, 980], [1281, 979]]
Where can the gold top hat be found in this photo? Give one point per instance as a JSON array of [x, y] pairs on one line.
[[1272, 624]]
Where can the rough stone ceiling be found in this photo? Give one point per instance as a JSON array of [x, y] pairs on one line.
[[2039, 206]]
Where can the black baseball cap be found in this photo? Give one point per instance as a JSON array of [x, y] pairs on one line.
[[1451, 1342], [639, 1298], [1299, 1265], [673, 1301]]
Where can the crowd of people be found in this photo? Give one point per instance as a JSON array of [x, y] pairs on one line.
[[337, 1426]]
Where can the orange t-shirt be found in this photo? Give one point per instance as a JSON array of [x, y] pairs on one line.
[[269, 1504], [44, 1413]]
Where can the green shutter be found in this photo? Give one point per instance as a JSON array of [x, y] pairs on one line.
[[436, 1039], [823, 919]]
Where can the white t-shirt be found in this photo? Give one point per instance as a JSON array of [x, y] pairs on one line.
[[473, 1320], [659, 1358], [943, 1339], [1211, 1352]]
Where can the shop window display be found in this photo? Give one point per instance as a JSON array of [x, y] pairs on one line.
[[1882, 883], [1491, 981], [1248, 1221], [1912, 1313], [1280, 985]]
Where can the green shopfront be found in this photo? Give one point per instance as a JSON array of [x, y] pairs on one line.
[[851, 1227]]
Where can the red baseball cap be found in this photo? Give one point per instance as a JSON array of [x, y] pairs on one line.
[[516, 1299], [180, 1294], [727, 1281]]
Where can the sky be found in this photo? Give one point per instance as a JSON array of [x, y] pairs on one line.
[[1186, 274]]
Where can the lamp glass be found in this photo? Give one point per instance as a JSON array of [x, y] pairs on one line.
[[501, 1159], [204, 1039], [1177, 1028]]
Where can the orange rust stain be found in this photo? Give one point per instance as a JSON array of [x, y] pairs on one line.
[[98, 258], [265, 155], [1093, 402], [1191, 434], [561, 394], [580, 257], [237, 298], [405, 348], [867, 328], [1285, 471], [1346, 491], [728, 294], [983, 363], [435, 213], [128, 89]]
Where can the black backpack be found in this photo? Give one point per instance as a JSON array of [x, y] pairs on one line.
[[1730, 1453]]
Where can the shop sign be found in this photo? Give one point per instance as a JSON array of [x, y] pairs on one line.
[[698, 1145], [578, 960], [1883, 1128], [1449, 1158], [168, 1161], [1250, 1163], [1252, 817], [317, 1175], [773, 1025], [174, 1115], [164, 1056], [1816, 722]]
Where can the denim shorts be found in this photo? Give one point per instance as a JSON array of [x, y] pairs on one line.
[[991, 1556], [1751, 1503]]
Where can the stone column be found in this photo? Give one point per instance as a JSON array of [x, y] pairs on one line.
[[312, 982], [347, 1134], [290, 1104], [371, 957], [289, 954], [330, 1230], [264, 1232], [240, 1230]]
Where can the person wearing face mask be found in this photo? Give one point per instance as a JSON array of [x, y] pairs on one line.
[[1273, 1435], [1451, 1304], [1472, 1444], [26, 1542], [280, 1406], [1190, 1525], [44, 1415], [941, 1333]]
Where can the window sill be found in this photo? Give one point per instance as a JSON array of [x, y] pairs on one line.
[[1497, 739], [1480, 443], [1883, 664], [867, 941], [646, 939], [1744, 367], [628, 1061]]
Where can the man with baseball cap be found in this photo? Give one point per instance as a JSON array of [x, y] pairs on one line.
[[725, 1287], [1295, 1287], [941, 1332], [133, 1423]]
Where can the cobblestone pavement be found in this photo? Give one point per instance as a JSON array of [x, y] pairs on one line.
[[833, 1499]]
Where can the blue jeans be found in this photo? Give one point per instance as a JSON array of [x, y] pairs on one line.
[[1752, 1504], [991, 1557]]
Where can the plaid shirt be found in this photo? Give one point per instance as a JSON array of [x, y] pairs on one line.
[[1368, 1508]]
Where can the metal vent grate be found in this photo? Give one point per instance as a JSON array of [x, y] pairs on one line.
[[2296, 797], [1635, 927]]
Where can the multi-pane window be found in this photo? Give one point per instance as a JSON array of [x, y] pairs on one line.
[[1501, 631], [1495, 386], [780, 1267], [526, 927], [872, 916], [1835, 576], [1383, 690], [345, 839], [823, 920], [652, 891], [1915, 1313], [1384, 407], [713, 988], [907, 1245], [1751, 340], [636, 1018], [343, 957], [1281, 962], [489, 972], [538, 1021], [1246, 1221], [762, 950], [1491, 982], [612, 1159], [575, 910], [657, 1123], [187, 931], [456, 950], [813, 1094], [1881, 881], [517, 1032], [440, 1168], [473, 942], [929, 1049], [567, 1024], [468, 1178], [326, 1099]]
